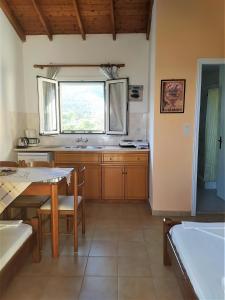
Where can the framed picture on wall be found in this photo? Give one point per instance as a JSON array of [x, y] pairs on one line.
[[172, 98]]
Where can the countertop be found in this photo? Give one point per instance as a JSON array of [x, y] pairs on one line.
[[79, 149]]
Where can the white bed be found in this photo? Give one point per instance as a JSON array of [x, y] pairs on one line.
[[12, 237], [201, 247]]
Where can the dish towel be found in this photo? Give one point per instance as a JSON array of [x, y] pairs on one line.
[[9, 191]]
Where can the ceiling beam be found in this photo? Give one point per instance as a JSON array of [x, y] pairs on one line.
[[112, 6], [13, 20], [148, 29], [42, 19], [79, 20]]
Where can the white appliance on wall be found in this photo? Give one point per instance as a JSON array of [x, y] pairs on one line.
[[34, 156]]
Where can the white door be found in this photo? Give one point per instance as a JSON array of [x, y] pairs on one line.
[[221, 139]]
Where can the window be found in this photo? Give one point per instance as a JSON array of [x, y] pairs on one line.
[[82, 107]]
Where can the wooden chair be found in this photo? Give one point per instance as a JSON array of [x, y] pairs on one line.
[[72, 206], [25, 202]]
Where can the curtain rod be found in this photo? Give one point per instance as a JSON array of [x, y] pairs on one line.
[[77, 65]]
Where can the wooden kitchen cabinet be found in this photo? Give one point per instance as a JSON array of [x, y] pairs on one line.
[[92, 190], [110, 175], [112, 182], [125, 176], [136, 184]]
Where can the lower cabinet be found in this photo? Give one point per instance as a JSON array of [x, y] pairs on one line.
[[92, 190], [124, 182], [112, 182], [110, 176], [136, 182]]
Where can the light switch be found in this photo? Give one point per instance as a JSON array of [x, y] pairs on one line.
[[187, 129]]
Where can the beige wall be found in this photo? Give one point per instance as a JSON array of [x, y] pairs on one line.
[[185, 32], [131, 49], [12, 119]]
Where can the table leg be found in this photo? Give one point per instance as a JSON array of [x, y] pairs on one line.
[[55, 220]]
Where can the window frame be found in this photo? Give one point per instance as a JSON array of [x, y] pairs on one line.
[[60, 114]]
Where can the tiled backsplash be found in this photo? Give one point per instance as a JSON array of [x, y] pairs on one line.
[[137, 130]]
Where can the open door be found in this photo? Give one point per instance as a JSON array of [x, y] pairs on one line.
[[221, 139]]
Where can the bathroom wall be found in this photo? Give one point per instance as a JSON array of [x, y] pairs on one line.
[[131, 49], [12, 106]]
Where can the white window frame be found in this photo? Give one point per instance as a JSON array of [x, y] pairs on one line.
[[125, 114], [40, 81]]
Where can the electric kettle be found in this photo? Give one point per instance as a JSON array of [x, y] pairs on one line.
[[22, 142]]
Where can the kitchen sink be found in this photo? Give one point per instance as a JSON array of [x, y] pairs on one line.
[[83, 147]]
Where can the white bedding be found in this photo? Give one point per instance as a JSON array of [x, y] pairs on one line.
[[11, 239], [201, 247]]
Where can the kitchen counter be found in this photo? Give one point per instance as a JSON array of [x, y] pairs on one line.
[[50, 148]]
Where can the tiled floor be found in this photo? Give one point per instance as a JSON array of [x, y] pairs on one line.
[[209, 202], [120, 258]]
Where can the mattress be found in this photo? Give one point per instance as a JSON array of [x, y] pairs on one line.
[[201, 247], [12, 237]]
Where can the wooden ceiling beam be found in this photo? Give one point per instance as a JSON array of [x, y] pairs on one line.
[[148, 29], [13, 20], [79, 20], [42, 18], [113, 19]]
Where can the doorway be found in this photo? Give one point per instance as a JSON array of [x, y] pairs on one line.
[[210, 179]]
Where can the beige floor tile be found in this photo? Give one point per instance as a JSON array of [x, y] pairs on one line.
[[43, 268], [112, 224], [101, 266], [84, 247], [99, 288], [159, 270], [69, 266], [132, 249], [103, 248], [26, 288], [167, 289], [132, 223], [65, 288], [136, 288], [105, 235], [132, 266], [131, 235], [155, 252], [153, 235]]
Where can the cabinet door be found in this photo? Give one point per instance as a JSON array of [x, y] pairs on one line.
[[112, 182], [92, 189], [136, 182]]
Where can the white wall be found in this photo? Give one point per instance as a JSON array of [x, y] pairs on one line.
[[131, 49], [12, 104]]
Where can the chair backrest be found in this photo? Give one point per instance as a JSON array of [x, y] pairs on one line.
[[8, 164], [36, 164], [81, 180]]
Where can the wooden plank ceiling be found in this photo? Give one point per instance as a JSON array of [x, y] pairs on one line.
[[49, 17]]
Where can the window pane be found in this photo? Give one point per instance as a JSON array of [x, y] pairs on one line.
[[49, 99], [82, 106], [116, 107]]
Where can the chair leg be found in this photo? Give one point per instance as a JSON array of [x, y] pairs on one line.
[[40, 230], [75, 232], [83, 218], [24, 213]]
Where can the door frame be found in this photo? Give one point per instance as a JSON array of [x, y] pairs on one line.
[[200, 63]]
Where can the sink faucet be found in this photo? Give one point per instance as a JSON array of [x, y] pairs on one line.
[[80, 139]]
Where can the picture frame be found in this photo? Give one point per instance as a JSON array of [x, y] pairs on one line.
[[172, 99], [136, 93]]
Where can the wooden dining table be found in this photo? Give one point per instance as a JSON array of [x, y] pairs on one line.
[[50, 187]]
